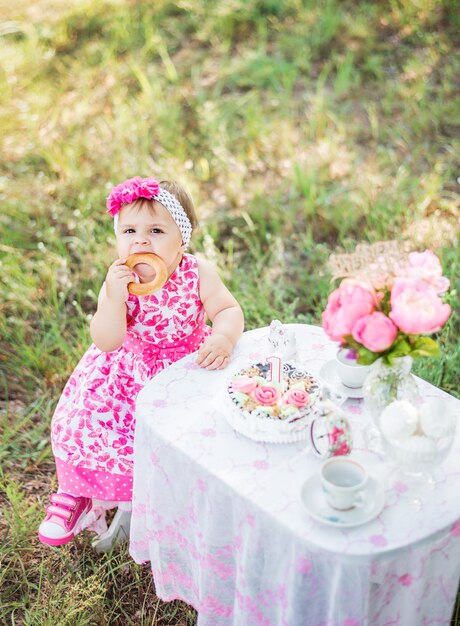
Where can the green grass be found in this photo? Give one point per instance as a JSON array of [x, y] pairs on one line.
[[299, 127]]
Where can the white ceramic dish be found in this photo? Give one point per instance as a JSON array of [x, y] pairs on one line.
[[314, 501], [328, 374]]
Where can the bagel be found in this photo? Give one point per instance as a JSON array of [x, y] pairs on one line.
[[161, 273]]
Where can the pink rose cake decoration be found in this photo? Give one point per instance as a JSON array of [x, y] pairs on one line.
[[288, 402], [244, 384], [296, 397], [267, 396]]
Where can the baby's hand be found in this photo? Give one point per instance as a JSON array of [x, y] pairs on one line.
[[215, 352], [117, 279]]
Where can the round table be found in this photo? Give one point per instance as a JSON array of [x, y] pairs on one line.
[[220, 517]]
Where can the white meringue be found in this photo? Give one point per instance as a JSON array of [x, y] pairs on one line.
[[399, 420], [436, 420]]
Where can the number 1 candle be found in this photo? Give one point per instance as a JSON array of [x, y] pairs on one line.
[[276, 367]]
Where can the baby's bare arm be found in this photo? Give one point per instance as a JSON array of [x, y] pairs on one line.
[[226, 316], [108, 326]]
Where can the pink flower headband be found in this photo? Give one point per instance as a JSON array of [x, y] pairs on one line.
[[149, 188]]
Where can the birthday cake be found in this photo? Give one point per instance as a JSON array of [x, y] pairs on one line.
[[272, 408]]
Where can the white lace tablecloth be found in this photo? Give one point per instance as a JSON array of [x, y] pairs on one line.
[[221, 520]]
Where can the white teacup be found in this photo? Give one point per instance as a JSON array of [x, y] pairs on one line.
[[350, 372], [344, 481]]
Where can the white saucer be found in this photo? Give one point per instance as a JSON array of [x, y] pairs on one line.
[[328, 375], [313, 499]]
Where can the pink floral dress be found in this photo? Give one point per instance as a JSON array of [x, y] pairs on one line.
[[92, 430]]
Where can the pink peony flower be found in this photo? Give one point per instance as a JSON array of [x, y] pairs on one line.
[[130, 190], [417, 308], [297, 397], [376, 332], [244, 384], [265, 395], [426, 266], [345, 306]]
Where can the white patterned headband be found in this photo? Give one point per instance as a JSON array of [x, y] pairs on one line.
[[149, 188]]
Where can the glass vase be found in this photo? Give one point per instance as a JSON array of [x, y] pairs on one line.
[[384, 384]]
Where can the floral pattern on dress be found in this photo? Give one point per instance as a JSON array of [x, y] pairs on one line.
[[93, 425]]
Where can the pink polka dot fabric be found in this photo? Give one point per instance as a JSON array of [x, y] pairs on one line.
[[94, 484], [92, 430]]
